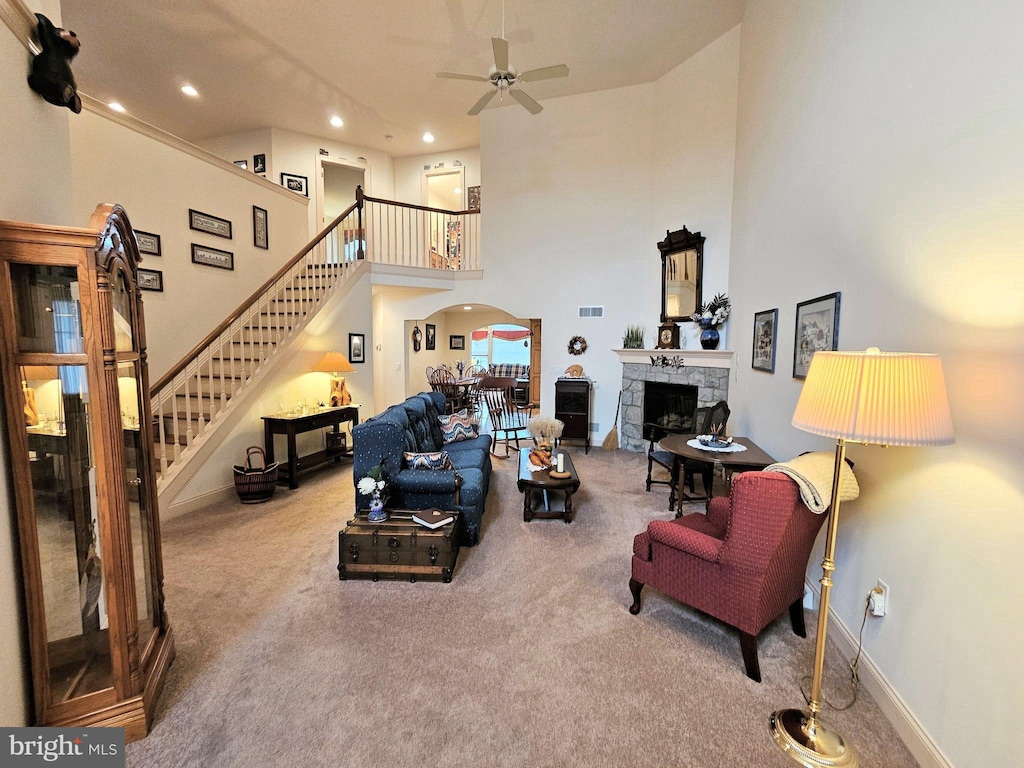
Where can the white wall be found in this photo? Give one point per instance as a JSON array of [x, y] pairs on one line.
[[409, 172], [879, 154], [242, 146], [36, 157], [158, 184], [297, 153], [570, 216]]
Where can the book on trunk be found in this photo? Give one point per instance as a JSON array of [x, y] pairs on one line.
[[432, 518]]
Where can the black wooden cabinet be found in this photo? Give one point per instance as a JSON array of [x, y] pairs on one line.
[[572, 408]]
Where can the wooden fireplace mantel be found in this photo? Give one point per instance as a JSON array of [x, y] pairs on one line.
[[695, 358]]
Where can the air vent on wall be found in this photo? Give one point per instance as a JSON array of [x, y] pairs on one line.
[[591, 311]]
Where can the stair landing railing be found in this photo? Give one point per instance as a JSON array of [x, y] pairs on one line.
[[410, 235]]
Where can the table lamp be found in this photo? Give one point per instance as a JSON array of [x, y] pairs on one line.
[[335, 364], [872, 397]]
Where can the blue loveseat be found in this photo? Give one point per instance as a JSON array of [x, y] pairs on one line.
[[413, 426]]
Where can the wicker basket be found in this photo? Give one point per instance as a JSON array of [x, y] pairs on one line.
[[255, 484]]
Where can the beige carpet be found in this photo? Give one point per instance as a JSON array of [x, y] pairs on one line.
[[528, 658]]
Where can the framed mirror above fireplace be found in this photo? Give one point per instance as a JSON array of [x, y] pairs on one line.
[[682, 267]]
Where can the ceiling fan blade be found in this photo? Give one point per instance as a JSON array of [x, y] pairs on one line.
[[460, 76], [544, 73], [526, 101], [478, 107], [500, 46]]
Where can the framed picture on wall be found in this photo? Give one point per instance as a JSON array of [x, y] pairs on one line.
[[431, 337], [473, 198], [456, 342], [357, 347], [211, 225], [295, 183], [151, 280], [260, 238], [149, 244], [259, 163], [212, 257], [765, 327], [817, 328]]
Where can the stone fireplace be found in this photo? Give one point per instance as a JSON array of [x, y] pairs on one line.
[[699, 374]]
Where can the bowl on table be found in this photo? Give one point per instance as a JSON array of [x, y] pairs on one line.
[[714, 441]]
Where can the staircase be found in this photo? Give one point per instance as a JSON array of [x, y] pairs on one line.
[[192, 400]]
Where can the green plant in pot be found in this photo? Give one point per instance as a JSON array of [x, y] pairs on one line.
[[634, 337]]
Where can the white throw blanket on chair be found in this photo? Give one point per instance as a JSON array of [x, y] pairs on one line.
[[813, 474]]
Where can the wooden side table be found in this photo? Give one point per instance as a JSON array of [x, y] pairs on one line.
[[292, 425]]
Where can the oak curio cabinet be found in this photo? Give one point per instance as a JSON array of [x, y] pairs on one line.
[[79, 439]]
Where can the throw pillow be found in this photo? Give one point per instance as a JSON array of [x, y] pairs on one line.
[[434, 460], [457, 427]]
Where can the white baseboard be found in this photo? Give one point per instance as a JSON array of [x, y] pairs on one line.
[[216, 496], [911, 732]]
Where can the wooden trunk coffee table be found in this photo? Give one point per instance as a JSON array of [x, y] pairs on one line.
[[542, 482]]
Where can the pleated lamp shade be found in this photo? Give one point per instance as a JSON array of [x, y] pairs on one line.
[[334, 362], [886, 398]]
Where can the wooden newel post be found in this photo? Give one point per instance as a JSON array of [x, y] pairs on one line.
[[360, 253]]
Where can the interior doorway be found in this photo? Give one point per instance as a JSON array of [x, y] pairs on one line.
[[444, 189], [337, 183]]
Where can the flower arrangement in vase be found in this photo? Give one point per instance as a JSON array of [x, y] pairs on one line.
[[375, 485], [710, 316]]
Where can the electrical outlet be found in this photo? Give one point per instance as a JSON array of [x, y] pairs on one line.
[[878, 599]]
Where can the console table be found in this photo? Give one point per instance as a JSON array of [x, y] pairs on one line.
[[291, 425]]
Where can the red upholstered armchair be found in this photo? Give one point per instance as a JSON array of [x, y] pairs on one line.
[[743, 562]]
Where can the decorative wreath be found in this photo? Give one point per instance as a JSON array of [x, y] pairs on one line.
[[577, 345]]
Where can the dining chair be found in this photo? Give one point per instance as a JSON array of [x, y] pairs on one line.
[[508, 419]]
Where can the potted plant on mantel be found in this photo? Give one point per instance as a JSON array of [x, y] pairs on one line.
[[710, 316]]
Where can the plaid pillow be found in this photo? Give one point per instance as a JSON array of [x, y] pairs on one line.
[[435, 460], [457, 427]]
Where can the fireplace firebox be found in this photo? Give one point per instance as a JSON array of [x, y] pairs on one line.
[[668, 408]]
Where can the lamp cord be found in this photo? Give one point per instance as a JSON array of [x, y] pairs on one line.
[[854, 665]]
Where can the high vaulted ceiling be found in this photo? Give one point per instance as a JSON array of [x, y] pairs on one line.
[[294, 63]]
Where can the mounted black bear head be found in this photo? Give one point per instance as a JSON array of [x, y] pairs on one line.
[[51, 74]]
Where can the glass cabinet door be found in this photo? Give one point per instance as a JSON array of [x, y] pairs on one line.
[[136, 478], [63, 477]]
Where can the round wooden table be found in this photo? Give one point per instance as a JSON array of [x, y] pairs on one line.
[[751, 459]]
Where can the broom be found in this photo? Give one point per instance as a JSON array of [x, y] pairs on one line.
[[611, 440]]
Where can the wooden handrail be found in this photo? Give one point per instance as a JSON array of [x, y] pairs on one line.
[[397, 204], [178, 367]]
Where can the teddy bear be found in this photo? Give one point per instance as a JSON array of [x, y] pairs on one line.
[[51, 75]]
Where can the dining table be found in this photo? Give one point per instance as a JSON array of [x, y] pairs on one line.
[[749, 456]]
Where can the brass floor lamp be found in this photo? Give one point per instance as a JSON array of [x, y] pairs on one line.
[[873, 397]]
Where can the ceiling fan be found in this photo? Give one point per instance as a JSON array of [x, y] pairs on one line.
[[506, 78]]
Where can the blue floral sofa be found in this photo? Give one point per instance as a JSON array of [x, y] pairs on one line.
[[413, 426]]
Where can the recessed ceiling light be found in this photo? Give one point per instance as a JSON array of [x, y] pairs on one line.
[[467, 307], [428, 137], [457, 190], [116, 107], [189, 90], [337, 122]]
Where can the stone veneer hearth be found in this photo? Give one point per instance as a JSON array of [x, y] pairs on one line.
[[707, 370]]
